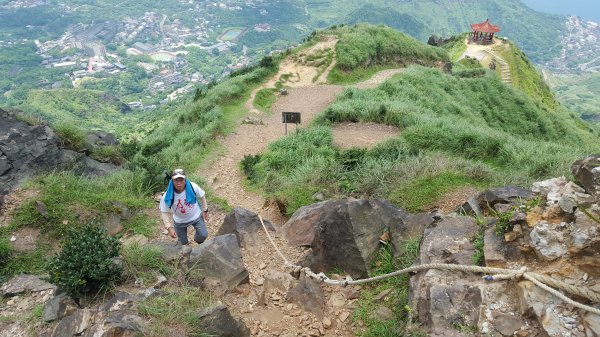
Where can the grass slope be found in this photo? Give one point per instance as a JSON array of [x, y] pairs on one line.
[[579, 94], [363, 49]]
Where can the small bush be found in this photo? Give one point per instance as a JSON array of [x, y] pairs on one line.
[[85, 264], [248, 165], [70, 136]]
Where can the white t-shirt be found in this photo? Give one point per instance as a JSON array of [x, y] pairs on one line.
[[182, 211]]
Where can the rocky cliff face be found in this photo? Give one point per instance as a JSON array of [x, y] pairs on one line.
[[26, 150]]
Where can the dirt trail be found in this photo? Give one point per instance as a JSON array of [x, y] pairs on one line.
[[224, 177]]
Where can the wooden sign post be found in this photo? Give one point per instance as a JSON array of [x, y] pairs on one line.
[[290, 117]]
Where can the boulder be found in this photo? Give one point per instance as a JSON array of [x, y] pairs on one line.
[[592, 324], [585, 233], [56, 307], [216, 320], [74, 324], [24, 283], [116, 324], [345, 233], [587, 174], [445, 299], [506, 195], [89, 167], [121, 301], [220, 258], [449, 241], [309, 296], [382, 313], [279, 280], [244, 224], [493, 249], [113, 224], [507, 324]]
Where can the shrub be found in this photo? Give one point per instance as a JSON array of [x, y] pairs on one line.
[[70, 136], [85, 264]]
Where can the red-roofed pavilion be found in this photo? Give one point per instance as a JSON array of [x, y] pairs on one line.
[[483, 32]]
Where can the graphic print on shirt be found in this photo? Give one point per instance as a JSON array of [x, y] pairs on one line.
[[181, 206]]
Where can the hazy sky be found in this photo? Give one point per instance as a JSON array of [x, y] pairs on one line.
[[587, 9]]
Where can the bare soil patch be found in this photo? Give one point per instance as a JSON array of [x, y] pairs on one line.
[[25, 239], [297, 72], [366, 135]]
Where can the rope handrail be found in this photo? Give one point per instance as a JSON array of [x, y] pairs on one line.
[[545, 282]]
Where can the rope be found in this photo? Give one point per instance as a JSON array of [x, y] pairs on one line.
[[543, 281]]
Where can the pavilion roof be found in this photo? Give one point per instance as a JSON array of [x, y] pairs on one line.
[[485, 27]]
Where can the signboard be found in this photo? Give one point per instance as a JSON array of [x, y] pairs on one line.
[[291, 117]]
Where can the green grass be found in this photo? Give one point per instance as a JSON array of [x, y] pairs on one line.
[[264, 99], [424, 191], [338, 76], [397, 300], [526, 77], [176, 309], [72, 201], [187, 137], [70, 135], [363, 50], [87, 200], [16, 263], [478, 257], [140, 262], [456, 47]]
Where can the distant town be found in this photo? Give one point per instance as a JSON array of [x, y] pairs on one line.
[[580, 48], [164, 42]]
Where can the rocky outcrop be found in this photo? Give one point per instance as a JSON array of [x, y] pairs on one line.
[[450, 303], [346, 233], [220, 258], [244, 224], [26, 150]]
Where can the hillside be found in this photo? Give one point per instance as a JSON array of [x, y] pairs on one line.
[[451, 132], [283, 23], [457, 130], [90, 110], [579, 93]]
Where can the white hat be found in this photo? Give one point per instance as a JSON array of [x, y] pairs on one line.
[[178, 173]]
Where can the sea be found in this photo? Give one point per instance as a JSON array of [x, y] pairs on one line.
[[587, 9]]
